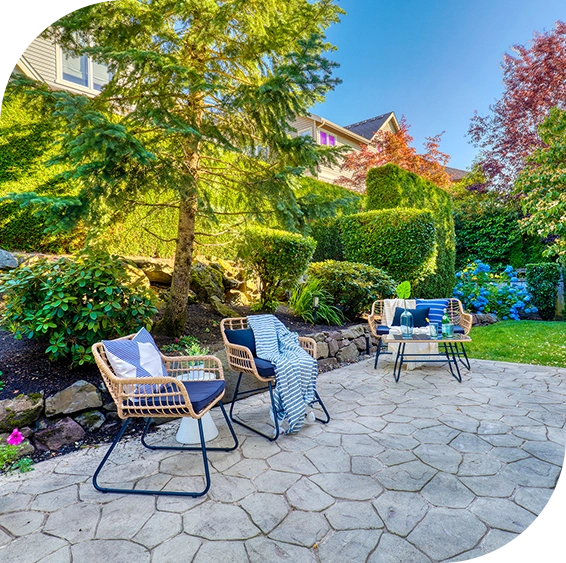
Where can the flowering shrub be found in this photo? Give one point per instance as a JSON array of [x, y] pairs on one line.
[[9, 454], [482, 291], [186, 346]]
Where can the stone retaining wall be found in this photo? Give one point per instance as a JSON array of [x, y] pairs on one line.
[[337, 347]]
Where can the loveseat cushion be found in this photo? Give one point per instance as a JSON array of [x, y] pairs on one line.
[[419, 316]]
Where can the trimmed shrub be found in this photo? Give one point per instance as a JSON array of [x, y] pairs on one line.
[[402, 242], [482, 291], [278, 258], [353, 287], [542, 284], [391, 187], [27, 133], [327, 233], [318, 199], [74, 303]]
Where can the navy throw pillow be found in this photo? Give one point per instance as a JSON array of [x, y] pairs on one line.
[[419, 316], [242, 337]]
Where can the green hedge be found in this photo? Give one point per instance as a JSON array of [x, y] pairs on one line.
[[278, 258], [542, 284], [327, 233], [390, 187], [353, 287], [27, 133], [318, 199], [489, 231], [402, 242]]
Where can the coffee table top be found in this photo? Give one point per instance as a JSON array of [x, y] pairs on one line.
[[422, 338]]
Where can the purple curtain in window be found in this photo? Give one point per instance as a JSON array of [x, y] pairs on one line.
[[323, 139]]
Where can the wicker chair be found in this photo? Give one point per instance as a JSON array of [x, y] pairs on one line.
[[164, 397], [457, 317], [242, 361]]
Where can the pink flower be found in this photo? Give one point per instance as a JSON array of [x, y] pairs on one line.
[[15, 438]]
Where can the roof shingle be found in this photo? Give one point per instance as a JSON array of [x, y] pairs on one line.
[[369, 127]]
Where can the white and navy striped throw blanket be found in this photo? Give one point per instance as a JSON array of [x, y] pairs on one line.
[[295, 369]]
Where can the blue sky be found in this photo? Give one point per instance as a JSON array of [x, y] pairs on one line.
[[434, 61]]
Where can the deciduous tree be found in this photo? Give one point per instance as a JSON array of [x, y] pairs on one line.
[[542, 185], [534, 81], [387, 146], [198, 106]]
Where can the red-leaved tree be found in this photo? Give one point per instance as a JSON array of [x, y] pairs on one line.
[[386, 147], [534, 79]]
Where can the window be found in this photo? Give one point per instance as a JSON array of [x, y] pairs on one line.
[[326, 139], [305, 133], [83, 71]]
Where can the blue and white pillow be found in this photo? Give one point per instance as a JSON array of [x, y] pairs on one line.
[[436, 309], [138, 357]]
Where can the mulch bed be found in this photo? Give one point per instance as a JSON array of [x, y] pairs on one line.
[[26, 369]]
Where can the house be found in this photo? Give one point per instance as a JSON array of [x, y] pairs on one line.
[[358, 134]]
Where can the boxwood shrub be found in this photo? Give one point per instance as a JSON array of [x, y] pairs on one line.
[[278, 258], [74, 303], [391, 187], [542, 284], [402, 242], [353, 287], [327, 233]]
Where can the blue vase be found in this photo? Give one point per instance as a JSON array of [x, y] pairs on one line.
[[406, 324]]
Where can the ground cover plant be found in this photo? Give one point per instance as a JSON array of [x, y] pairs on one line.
[[482, 291], [524, 342]]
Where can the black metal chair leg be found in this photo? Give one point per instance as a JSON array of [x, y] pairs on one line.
[[319, 401], [377, 352], [147, 491], [271, 438]]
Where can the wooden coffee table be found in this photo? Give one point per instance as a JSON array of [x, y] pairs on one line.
[[450, 350]]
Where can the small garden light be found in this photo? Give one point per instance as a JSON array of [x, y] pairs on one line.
[[315, 306]]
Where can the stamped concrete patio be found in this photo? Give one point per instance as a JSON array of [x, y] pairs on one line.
[[423, 470]]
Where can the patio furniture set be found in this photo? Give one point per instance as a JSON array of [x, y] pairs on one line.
[[189, 387]]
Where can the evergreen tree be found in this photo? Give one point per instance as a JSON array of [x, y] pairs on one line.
[[201, 95]]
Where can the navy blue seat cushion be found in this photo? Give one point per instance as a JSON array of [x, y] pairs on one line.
[[201, 393], [419, 316], [242, 337], [264, 368], [458, 329], [382, 329]]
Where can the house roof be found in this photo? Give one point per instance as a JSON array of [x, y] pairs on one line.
[[455, 173], [369, 127]]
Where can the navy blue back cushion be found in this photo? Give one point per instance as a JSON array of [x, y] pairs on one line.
[[242, 337], [436, 308], [419, 316]]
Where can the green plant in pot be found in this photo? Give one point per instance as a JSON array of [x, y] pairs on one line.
[[403, 291]]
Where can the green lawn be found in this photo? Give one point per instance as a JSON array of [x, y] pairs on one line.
[[524, 342]]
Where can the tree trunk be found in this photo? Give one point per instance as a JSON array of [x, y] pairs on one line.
[[175, 315]]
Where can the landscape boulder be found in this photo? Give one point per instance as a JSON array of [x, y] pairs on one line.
[[7, 260], [158, 271], [91, 420], [348, 353], [79, 396], [20, 411], [63, 432], [207, 282]]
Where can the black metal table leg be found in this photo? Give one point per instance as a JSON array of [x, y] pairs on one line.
[[466, 361], [454, 360]]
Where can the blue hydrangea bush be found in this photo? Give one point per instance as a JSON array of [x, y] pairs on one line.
[[482, 291]]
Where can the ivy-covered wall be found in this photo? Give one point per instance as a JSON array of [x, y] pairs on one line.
[[27, 133], [390, 187]]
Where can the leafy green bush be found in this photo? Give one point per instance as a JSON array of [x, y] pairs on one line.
[[542, 284], [402, 242], [74, 303], [278, 258], [390, 187], [327, 234], [354, 287], [302, 299]]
